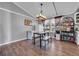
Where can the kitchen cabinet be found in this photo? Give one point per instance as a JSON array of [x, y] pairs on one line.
[[77, 37]]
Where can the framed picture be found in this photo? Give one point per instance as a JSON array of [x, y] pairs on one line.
[[27, 22]]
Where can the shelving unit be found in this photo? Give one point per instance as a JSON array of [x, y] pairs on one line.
[[58, 21], [67, 30]]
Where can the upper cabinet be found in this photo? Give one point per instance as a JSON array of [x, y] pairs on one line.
[[76, 18]]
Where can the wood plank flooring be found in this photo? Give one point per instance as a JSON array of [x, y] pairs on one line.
[[26, 48]]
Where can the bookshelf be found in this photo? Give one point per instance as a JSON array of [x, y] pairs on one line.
[[67, 30]]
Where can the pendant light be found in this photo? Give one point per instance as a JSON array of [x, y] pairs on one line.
[[41, 17]]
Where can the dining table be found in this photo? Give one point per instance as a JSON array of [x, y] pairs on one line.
[[40, 34]]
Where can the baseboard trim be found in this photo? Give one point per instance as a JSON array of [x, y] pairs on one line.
[[12, 41]]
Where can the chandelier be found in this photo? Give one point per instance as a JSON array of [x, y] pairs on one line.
[[40, 17]]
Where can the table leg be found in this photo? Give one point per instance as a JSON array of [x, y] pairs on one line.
[[34, 38], [40, 41]]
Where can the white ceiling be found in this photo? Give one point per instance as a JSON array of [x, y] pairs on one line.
[[62, 8]]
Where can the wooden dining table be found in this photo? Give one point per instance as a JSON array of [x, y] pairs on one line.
[[40, 34]]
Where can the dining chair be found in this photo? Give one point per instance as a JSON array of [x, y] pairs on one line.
[[45, 40]]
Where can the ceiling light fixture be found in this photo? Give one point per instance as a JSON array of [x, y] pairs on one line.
[[40, 17]]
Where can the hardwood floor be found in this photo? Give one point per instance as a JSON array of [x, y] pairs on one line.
[[26, 48]]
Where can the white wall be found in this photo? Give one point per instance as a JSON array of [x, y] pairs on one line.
[[11, 27], [1, 26], [5, 30], [40, 28], [17, 27], [12, 23]]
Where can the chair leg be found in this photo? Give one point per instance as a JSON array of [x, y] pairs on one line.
[[48, 40], [45, 44]]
